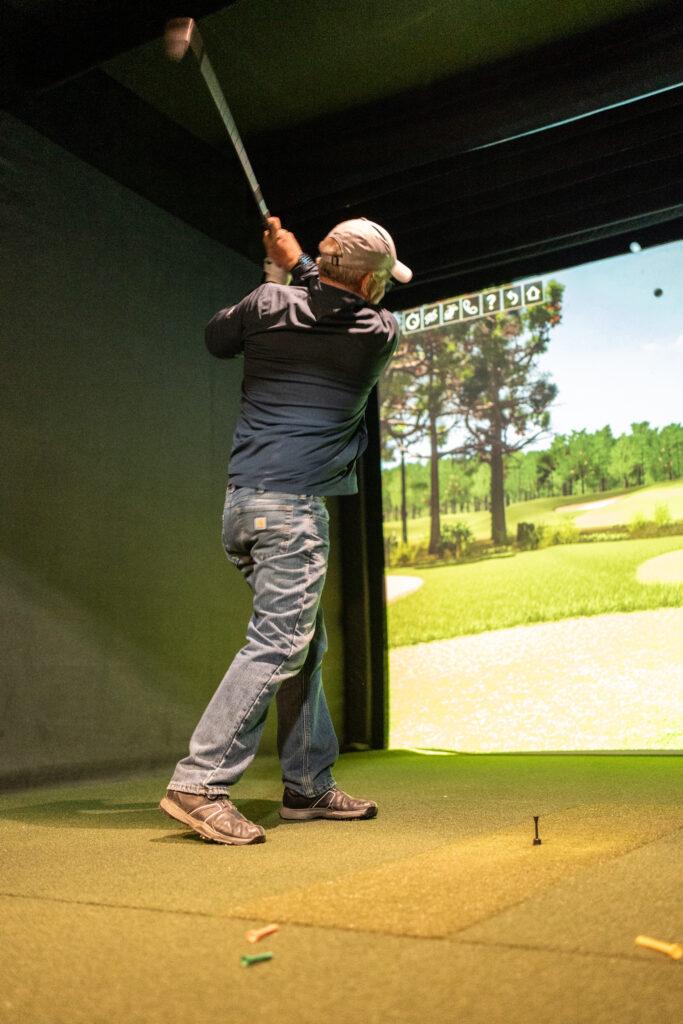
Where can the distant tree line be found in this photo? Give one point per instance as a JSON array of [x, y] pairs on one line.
[[573, 464]]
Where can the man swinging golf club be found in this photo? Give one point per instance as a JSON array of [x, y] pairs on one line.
[[313, 351]]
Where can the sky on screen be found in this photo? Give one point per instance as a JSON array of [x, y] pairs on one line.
[[617, 356]]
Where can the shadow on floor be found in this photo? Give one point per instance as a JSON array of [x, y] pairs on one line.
[[135, 814]]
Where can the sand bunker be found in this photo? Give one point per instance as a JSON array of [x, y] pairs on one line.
[[666, 568], [602, 682], [588, 506], [399, 586]]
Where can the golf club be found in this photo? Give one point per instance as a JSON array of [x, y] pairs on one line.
[[182, 34]]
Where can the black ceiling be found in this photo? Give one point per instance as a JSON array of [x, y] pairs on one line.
[[465, 172]]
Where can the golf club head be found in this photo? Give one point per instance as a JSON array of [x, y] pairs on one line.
[[178, 37]]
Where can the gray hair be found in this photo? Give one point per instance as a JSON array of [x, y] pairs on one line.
[[350, 277], [343, 275]]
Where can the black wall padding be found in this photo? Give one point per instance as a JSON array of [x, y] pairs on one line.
[[115, 131], [52, 41], [119, 611], [468, 207], [491, 214], [383, 141], [463, 215]]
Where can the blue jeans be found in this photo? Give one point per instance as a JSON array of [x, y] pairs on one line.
[[280, 543]]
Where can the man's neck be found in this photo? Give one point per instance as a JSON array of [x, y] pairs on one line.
[[342, 287]]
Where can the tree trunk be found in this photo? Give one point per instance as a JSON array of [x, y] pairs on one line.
[[435, 530], [404, 507], [498, 531]]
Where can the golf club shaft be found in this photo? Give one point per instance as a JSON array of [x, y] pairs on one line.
[[197, 45]]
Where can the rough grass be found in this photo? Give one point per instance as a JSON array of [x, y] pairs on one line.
[[531, 586], [641, 501]]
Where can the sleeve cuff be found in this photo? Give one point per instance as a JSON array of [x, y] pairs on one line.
[[304, 268]]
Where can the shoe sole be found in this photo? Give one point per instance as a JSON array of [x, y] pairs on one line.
[[203, 829], [308, 814]]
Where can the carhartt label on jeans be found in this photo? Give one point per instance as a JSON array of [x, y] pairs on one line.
[[260, 523]]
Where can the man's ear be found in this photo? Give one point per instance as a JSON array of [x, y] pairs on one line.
[[371, 288]]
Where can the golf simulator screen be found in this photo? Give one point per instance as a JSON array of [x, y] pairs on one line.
[[533, 512]]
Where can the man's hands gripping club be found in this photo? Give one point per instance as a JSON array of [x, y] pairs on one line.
[[282, 252]]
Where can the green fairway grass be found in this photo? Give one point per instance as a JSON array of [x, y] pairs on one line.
[[641, 501], [531, 586]]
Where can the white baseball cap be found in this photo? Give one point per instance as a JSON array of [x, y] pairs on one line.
[[362, 245]]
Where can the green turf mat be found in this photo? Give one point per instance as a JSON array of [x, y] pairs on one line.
[[447, 888], [601, 910], [111, 913], [69, 964]]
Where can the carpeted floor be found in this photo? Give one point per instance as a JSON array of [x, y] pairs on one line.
[[440, 909]]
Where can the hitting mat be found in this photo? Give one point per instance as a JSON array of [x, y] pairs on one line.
[[438, 910], [446, 889]]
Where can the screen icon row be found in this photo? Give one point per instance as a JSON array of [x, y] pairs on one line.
[[470, 307]]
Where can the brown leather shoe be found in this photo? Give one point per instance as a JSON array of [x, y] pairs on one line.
[[214, 818]]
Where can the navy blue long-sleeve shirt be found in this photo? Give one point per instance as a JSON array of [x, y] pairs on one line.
[[312, 354]]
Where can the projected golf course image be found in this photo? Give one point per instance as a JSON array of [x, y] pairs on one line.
[[533, 519]]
